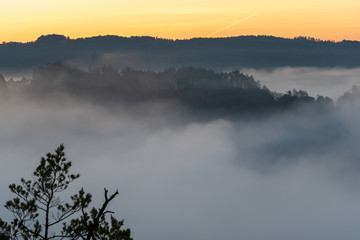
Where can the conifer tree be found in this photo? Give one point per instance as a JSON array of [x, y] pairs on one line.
[[39, 210]]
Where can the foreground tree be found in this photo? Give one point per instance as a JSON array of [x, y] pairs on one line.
[[38, 208]]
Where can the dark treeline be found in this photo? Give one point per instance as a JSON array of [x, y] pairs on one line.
[[198, 89], [154, 53]]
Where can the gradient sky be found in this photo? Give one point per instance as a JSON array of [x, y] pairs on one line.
[[25, 20]]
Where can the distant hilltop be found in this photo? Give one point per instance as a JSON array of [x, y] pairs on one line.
[[156, 53], [58, 37]]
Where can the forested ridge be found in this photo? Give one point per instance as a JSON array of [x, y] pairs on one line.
[[157, 53], [198, 89]]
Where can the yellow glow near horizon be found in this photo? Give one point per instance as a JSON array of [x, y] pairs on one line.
[[25, 20]]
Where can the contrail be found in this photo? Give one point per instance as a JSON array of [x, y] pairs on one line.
[[241, 20]]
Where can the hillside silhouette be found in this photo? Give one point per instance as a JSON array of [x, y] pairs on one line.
[[155, 53]]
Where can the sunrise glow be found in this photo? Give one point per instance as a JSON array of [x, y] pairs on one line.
[[24, 20]]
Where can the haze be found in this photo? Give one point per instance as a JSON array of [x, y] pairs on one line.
[[287, 176], [217, 126], [331, 82]]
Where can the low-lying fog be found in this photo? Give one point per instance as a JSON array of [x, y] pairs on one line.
[[331, 82], [291, 176]]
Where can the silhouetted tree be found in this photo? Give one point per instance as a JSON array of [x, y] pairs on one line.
[[38, 208]]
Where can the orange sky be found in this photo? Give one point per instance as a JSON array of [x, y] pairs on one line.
[[25, 20]]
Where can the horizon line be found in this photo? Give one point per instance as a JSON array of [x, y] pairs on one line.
[[180, 39]]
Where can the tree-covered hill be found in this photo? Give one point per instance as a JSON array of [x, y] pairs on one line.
[[155, 53], [199, 90]]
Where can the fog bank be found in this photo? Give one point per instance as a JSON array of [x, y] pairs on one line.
[[331, 82], [288, 176]]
